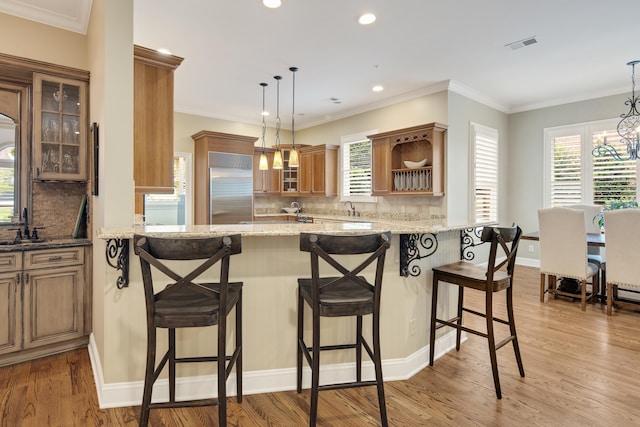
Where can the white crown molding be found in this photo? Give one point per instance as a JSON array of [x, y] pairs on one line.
[[475, 95], [48, 12]]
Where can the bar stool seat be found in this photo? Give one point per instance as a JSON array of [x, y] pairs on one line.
[[184, 303]]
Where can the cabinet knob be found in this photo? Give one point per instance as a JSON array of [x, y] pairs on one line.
[[55, 258]]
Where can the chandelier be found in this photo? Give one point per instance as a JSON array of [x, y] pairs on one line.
[[628, 128]]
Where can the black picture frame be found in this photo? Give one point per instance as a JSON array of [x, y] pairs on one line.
[[95, 138]]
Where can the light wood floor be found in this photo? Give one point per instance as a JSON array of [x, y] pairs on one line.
[[582, 369]]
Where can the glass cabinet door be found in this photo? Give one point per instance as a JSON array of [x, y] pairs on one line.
[[60, 129]]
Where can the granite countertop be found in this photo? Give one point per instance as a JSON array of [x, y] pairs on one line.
[[46, 244], [327, 224]]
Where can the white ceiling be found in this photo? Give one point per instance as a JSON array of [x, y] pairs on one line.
[[414, 47]]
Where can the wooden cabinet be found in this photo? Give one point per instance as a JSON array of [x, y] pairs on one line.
[[204, 142], [265, 181], [390, 150], [290, 175], [48, 302], [10, 302], [59, 128], [319, 170], [153, 120]]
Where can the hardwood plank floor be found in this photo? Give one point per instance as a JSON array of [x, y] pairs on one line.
[[581, 370]]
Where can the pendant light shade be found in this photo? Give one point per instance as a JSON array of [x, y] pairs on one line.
[[277, 156], [264, 164], [293, 155]]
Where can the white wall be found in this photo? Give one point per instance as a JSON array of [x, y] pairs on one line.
[[463, 111]]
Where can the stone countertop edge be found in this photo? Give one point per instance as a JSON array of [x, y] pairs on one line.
[[359, 226], [48, 244]]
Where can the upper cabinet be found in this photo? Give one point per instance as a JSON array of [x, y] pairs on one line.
[[265, 181], [60, 128], [422, 147], [153, 120], [318, 174]]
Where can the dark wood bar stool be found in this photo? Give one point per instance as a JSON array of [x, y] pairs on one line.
[[493, 278], [346, 294], [185, 303]]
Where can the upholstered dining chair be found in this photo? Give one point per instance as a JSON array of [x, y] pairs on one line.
[[563, 253], [187, 303], [623, 255], [497, 276], [594, 254], [342, 291]]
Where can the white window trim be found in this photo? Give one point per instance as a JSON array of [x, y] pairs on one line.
[[346, 139], [585, 130], [188, 197], [474, 130]]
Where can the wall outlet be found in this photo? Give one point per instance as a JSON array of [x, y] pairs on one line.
[[412, 327], [530, 248]]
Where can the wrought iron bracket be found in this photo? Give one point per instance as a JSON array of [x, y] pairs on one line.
[[410, 251], [118, 250], [469, 239]]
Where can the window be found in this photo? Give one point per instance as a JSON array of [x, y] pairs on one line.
[[484, 158], [356, 167], [574, 176]]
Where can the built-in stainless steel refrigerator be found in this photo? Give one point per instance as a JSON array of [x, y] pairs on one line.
[[231, 184]]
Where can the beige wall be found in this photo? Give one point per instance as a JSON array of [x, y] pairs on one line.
[[110, 61], [31, 40]]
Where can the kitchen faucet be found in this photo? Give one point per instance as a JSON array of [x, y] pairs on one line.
[[353, 208], [296, 205]]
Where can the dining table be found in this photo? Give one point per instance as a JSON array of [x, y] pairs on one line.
[[593, 239]]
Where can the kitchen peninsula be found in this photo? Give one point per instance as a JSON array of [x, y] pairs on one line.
[[269, 266]]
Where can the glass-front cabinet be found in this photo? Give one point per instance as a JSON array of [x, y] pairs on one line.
[[60, 127]]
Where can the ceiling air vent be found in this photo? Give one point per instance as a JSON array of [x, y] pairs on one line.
[[522, 43]]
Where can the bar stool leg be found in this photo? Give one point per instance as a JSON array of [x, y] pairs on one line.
[[148, 376], [222, 377], [492, 343], [459, 321], [378, 367], [315, 369], [239, 345], [300, 342], [512, 329], [358, 348], [432, 330], [172, 364]]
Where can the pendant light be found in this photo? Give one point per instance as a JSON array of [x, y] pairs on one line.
[[264, 164], [293, 154], [277, 156]]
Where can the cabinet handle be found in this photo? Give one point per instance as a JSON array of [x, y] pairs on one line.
[[26, 277], [55, 258], [18, 278]]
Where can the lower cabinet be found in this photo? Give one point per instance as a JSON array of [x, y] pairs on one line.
[[46, 298]]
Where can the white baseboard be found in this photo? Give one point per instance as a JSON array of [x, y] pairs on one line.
[[528, 262], [254, 382]]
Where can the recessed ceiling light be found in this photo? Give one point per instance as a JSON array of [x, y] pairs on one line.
[[272, 3], [367, 18], [378, 88], [164, 51]]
